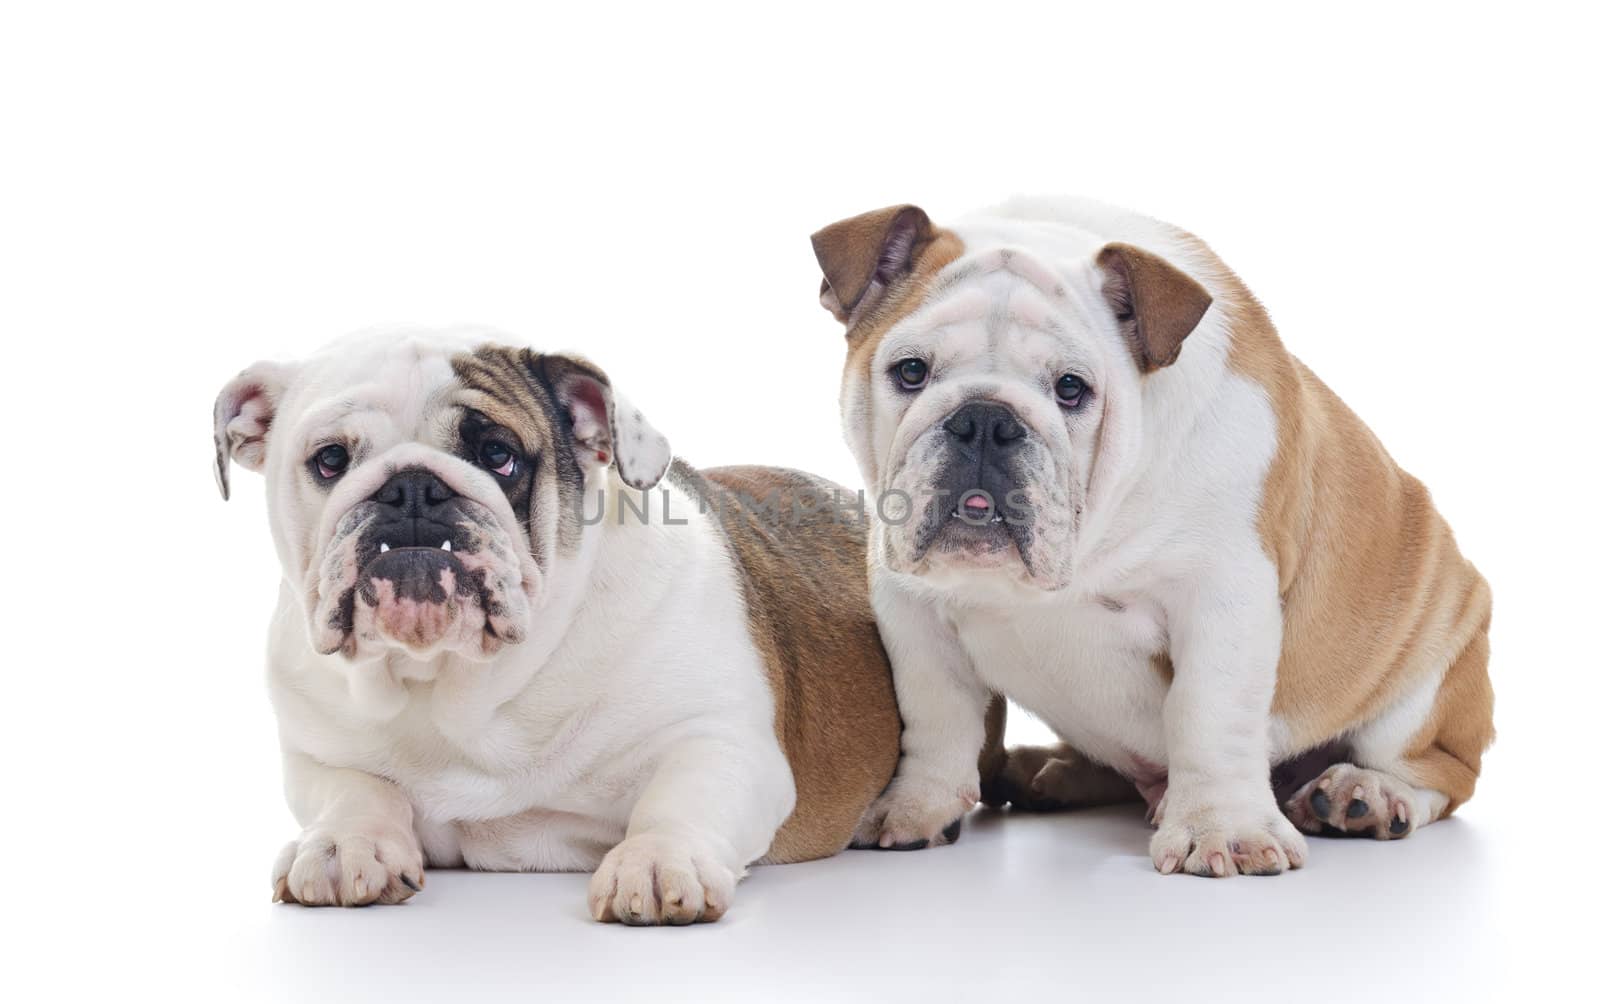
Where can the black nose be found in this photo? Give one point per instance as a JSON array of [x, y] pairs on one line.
[[414, 491], [984, 422]]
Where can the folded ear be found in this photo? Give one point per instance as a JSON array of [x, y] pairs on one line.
[[1156, 304], [864, 255], [243, 417], [605, 427]]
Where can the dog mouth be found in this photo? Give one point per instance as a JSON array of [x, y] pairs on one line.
[[414, 570], [384, 548], [447, 581], [977, 509], [977, 524], [960, 534]]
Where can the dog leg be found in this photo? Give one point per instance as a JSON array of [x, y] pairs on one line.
[[1412, 765], [944, 707], [1218, 815], [358, 846], [710, 809]]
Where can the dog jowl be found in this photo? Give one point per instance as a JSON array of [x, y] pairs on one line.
[[418, 564]]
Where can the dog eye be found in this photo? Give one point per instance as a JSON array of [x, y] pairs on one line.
[[911, 374], [498, 457], [331, 461], [1071, 391]]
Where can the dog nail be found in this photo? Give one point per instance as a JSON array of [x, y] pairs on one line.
[[1169, 864], [1398, 825], [952, 833], [1356, 809], [1218, 863], [1320, 804], [411, 883]]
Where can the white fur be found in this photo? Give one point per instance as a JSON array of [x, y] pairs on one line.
[[634, 718], [1168, 471]]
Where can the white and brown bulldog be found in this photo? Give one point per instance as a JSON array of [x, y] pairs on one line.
[[1111, 495], [513, 634]]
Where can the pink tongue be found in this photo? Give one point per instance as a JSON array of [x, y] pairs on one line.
[[975, 501]]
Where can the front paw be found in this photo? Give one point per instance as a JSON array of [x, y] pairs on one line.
[[1221, 841], [349, 864], [659, 879], [914, 814]]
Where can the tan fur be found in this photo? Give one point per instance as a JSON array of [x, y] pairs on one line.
[[855, 253], [864, 330], [805, 587], [1156, 304], [933, 251], [1376, 597]]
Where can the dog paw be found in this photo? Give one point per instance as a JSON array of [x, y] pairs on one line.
[[1219, 842], [914, 814], [349, 865], [656, 879], [1355, 801]]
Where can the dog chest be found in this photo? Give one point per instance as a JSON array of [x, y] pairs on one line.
[[1095, 671]]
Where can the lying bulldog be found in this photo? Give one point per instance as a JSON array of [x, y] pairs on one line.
[[1108, 493], [512, 634]]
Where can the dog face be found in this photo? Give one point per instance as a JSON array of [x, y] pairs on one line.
[[423, 488], [993, 385]]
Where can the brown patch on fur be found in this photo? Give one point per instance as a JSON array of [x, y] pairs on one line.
[[1052, 778], [1155, 304], [935, 249], [1162, 664], [1447, 753], [805, 590], [905, 296], [992, 758], [1376, 597], [875, 247], [514, 388]]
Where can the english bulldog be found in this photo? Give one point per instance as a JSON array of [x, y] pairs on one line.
[[513, 634], [1107, 492]]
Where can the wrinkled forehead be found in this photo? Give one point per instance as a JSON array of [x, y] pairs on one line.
[[384, 389], [1002, 307]]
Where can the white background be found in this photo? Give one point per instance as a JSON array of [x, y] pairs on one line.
[[183, 189]]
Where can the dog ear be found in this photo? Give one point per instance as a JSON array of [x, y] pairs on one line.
[[864, 255], [1156, 304], [242, 417], [605, 427]]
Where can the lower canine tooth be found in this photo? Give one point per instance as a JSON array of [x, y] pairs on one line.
[[382, 547], [445, 546]]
